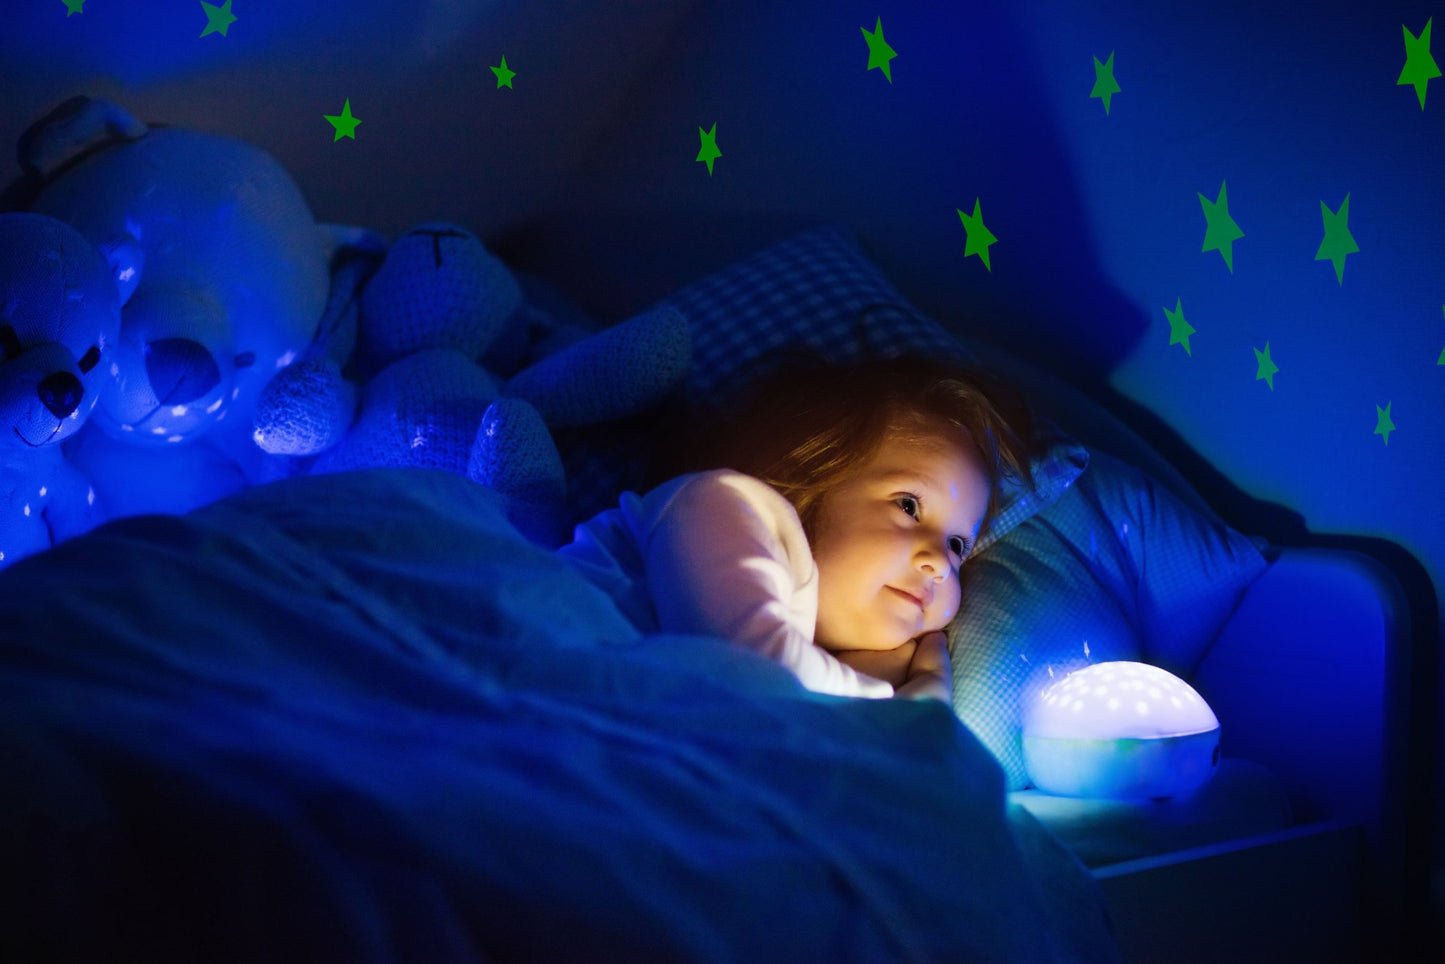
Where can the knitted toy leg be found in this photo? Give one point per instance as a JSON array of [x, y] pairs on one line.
[[515, 455]]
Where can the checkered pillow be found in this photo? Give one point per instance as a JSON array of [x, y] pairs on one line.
[[816, 290]]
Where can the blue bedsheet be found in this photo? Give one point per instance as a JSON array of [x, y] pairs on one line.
[[357, 717]]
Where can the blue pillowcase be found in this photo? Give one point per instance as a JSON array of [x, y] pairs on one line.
[[1118, 568]]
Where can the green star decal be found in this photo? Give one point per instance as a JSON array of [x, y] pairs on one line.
[[1220, 231], [73, 7], [1441, 359], [1384, 425], [218, 19], [1419, 67], [979, 237], [344, 123], [1267, 368], [504, 76], [1105, 86], [1179, 329], [879, 53], [1338, 242], [708, 150]]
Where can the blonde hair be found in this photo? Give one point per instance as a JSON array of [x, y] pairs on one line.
[[806, 426]]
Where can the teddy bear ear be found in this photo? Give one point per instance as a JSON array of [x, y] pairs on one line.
[[127, 261], [72, 130]]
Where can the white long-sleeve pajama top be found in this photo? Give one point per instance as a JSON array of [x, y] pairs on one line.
[[717, 553]]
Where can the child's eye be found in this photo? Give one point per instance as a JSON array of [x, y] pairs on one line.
[[958, 546], [908, 503]]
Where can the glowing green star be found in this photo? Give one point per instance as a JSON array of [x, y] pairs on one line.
[[344, 123], [504, 76], [879, 53], [1419, 67], [1384, 425], [1105, 86], [1338, 242], [978, 236], [1179, 329], [1267, 368], [74, 6], [218, 19], [708, 151], [1220, 231]]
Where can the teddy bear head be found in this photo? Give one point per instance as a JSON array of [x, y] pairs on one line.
[[235, 273], [60, 319], [439, 287]]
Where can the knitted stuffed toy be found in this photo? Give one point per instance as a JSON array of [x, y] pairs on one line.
[[235, 277], [60, 315], [441, 331]]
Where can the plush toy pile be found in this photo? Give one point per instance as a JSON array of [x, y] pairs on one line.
[[211, 335], [432, 358]]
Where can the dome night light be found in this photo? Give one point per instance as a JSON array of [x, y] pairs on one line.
[[1120, 729]]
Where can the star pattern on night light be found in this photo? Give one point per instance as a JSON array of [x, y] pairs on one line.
[[1420, 67], [74, 7], [218, 19], [1179, 329], [1105, 86], [880, 54], [979, 237], [1338, 242], [504, 75], [1384, 425], [1220, 231], [1267, 368], [708, 151], [344, 123]]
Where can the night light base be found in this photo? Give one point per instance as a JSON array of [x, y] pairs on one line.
[[1122, 768]]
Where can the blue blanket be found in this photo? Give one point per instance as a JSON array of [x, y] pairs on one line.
[[357, 717]]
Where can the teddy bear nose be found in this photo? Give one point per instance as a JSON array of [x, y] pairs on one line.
[[61, 393], [180, 370]]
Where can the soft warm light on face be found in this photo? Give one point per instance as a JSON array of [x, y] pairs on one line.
[[1120, 729]]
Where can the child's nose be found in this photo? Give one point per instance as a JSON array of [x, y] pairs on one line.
[[933, 560]]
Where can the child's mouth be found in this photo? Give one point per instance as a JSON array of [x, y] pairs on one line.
[[908, 596]]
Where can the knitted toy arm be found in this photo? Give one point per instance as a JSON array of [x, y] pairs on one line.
[[614, 373]]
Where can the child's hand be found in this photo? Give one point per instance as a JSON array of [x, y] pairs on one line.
[[930, 672]]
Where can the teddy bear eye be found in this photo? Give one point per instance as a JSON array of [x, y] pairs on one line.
[[246, 359], [9, 342], [89, 359]]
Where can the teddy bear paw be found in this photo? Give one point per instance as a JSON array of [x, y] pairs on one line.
[[305, 409], [515, 455]]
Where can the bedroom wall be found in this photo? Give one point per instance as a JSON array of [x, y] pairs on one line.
[[1097, 213]]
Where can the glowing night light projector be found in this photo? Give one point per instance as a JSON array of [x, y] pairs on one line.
[[1121, 730]]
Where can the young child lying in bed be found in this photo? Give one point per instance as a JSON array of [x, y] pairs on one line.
[[831, 537]]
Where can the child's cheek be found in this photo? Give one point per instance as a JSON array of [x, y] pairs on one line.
[[950, 594]]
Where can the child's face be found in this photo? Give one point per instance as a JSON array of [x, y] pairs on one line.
[[888, 542]]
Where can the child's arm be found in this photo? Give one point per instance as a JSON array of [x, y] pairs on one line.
[[885, 664], [919, 669], [930, 671], [727, 557]]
